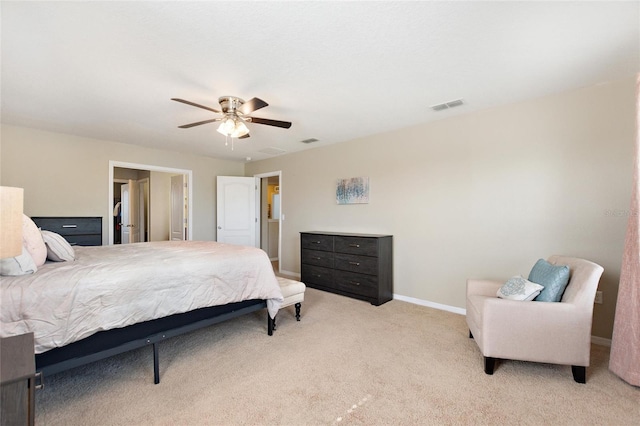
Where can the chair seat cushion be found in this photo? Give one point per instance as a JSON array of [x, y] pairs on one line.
[[292, 291]]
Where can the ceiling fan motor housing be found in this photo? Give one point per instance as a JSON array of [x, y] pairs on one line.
[[230, 104]]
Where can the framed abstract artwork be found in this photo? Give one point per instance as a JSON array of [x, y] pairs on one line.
[[352, 190]]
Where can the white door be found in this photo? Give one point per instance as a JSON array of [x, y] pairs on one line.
[[130, 231], [124, 214], [177, 208], [237, 217]]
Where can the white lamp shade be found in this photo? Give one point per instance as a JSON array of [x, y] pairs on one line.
[[11, 200]]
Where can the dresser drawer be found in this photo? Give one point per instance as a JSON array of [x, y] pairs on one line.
[[360, 284], [317, 275], [318, 258], [317, 242], [84, 240], [70, 225], [356, 245], [81, 231], [355, 263]]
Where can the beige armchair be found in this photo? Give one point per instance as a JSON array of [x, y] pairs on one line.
[[555, 333]]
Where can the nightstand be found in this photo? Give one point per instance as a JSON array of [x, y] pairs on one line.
[[17, 380]]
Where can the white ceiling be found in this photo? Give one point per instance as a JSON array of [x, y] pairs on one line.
[[337, 70]]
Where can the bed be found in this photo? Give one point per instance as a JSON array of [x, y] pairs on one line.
[[112, 299]]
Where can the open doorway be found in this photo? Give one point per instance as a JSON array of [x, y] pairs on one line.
[[131, 206], [152, 186], [271, 215]]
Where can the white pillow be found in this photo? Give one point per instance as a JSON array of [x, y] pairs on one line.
[[19, 265], [58, 249], [32, 241], [518, 288]]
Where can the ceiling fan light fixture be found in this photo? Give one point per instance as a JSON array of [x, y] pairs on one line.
[[233, 127], [227, 126], [239, 130]]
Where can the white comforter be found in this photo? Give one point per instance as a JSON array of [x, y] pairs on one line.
[[115, 286]]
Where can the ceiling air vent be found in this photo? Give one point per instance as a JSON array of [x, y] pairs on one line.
[[272, 151], [310, 140], [447, 105]]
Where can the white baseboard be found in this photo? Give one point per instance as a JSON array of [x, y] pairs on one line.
[[594, 339], [454, 309], [289, 273]]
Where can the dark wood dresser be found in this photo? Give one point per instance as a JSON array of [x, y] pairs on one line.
[[81, 231], [354, 265]]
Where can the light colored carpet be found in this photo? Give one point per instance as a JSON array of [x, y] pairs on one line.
[[346, 362]]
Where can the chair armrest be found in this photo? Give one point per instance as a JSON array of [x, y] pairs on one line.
[[487, 288]]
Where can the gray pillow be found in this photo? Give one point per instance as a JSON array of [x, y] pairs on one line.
[[554, 278], [19, 265]]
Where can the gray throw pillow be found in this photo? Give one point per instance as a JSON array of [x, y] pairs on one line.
[[554, 278]]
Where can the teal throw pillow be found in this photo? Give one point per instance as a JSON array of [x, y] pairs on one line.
[[554, 278]]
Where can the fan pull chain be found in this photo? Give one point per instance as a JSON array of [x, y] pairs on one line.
[[226, 141]]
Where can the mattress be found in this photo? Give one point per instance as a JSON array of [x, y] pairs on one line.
[[110, 287]]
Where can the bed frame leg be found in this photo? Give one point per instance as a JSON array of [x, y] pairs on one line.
[[156, 367], [270, 324]]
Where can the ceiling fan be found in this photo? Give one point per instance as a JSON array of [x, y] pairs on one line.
[[235, 114]]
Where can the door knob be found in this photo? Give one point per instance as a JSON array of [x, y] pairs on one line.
[[219, 227]]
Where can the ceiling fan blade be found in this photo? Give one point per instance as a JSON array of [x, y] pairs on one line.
[[276, 123], [245, 136], [251, 105], [194, 104], [186, 126]]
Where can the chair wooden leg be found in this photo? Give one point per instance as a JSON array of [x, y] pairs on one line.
[[579, 373], [489, 364], [298, 305]]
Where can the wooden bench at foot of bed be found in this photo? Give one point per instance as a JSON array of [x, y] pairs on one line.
[[105, 344]]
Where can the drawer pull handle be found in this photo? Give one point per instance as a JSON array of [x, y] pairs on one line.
[[316, 242], [354, 282], [39, 380], [317, 258], [354, 245], [69, 226], [354, 263], [317, 276]]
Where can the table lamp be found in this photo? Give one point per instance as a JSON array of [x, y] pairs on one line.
[[11, 200]]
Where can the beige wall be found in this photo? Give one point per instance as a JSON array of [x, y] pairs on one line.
[[479, 195], [65, 175]]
